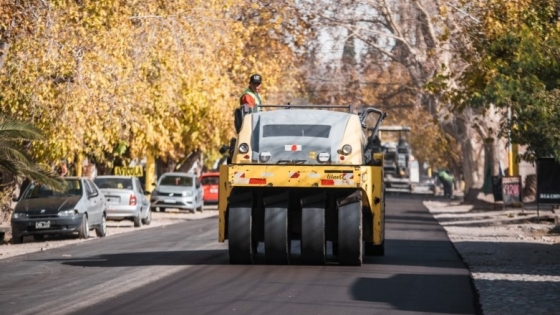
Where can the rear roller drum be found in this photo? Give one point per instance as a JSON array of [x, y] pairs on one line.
[[350, 234], [313, 235], [276, 239], [239, 233]]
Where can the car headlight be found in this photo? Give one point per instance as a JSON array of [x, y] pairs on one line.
[[67, 213], [20, 215], [187, 193]]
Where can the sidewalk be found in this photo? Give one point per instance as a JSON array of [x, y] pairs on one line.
[[513, 256]]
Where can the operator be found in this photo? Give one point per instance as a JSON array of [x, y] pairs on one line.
[[250, 99]]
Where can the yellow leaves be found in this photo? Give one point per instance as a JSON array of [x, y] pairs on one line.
[[166, 81]]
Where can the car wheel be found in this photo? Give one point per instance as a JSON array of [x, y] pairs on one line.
[[138, 219], [101, 230], [148, 219], [83, 232], [38, 237], [17, 239]]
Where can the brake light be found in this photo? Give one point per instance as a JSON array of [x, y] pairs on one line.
[[132, 200]]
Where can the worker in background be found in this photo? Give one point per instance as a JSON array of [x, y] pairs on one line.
[[250, 99], [447, 180]]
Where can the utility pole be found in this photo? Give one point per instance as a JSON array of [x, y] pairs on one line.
[[513, 151]]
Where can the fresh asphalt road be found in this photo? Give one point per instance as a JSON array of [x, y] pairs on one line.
[[182, 269]]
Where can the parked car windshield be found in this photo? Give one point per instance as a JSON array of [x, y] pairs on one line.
[[209, 180], [72, 188], [114, 183], [176, 181]]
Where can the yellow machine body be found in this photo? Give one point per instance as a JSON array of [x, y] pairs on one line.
[[280, 187]]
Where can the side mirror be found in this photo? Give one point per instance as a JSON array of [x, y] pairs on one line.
[[238, 119]]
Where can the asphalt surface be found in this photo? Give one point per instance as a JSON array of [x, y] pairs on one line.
[[182, 269]]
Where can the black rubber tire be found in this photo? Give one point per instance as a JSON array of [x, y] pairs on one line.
[[276, 238], [239, 234], [313, 236], [374, 250], [350, 234], [335, 248], [148, 219], [83, 232], [138, 220], [101, 230], [17, 239], [38, 237]]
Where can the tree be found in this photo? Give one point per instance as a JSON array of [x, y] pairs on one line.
[[405, 48], [514, 66], [159, 78], [15, 139]]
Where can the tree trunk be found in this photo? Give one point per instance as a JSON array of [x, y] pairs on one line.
[[9, 185], [164, 166], [4, 46], [189, 162]]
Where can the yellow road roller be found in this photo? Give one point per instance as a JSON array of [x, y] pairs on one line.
[[312, 174]]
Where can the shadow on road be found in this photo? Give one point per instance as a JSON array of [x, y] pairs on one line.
[[422, 293], [139, 259], [432, 254]]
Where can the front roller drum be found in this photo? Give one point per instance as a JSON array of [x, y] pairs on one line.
[[239, 233], [350, 234], [276, 238]]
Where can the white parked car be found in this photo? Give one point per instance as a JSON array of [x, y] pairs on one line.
[[178, 190], [125, 199]]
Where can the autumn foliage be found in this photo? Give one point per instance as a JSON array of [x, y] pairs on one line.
[[153, 77]]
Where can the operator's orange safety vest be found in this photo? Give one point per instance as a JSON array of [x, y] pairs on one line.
[[254, 95]]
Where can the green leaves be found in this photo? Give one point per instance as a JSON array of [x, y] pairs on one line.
[[514, 64], [15, 136]]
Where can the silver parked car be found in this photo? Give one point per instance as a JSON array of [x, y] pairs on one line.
[[125, 199], [42, 211], [178, 190]]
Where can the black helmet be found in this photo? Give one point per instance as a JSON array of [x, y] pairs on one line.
[[256, 78]]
